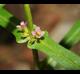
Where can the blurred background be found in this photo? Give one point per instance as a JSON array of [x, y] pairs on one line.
[[57, 19]]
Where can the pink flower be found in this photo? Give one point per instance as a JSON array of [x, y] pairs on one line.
[[22, 25], [38, 33]]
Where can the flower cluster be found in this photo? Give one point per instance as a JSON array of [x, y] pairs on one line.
[[22, 25], [37, 33]]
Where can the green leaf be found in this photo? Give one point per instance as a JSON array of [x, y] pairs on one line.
[[61, 55], [2, 5], [18, 36], [54, 64], [70, 39], [9, 22], [73, 36]]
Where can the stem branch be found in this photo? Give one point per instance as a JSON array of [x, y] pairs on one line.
[[28, 17]]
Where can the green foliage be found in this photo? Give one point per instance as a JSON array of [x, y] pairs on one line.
[[9, 22], [2, 5], [73, 36], [61, 55]]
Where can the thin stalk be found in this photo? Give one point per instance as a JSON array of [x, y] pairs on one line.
[[37, 62], [28, 17]]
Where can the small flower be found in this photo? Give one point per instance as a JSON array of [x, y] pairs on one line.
[[38, 33], [21, 26]]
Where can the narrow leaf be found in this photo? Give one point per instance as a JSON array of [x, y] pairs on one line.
[[2, 5], [73, 36], [9, 22], [61, 55]]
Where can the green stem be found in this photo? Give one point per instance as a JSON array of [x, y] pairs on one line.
[[28, 17], [36, 58]]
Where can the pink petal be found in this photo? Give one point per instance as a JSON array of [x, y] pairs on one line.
[[38, 29], [33, 33], [22, 23]]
